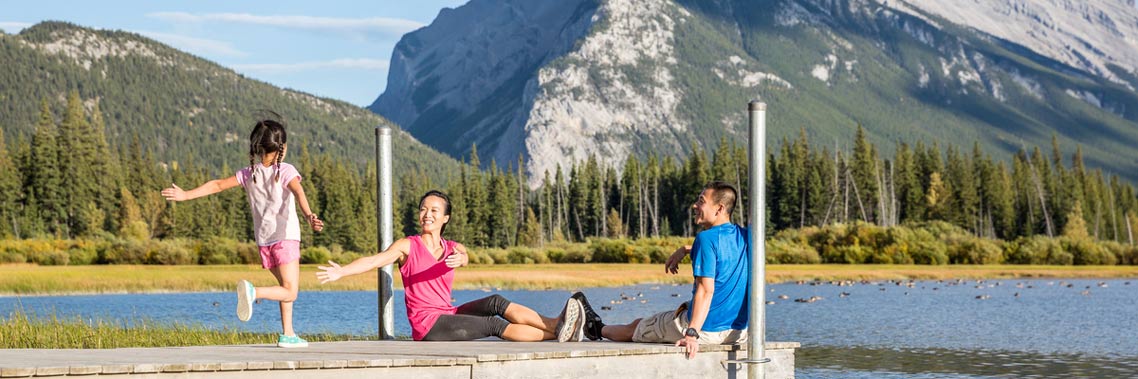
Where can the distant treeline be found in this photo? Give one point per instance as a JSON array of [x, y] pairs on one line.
[[69, 183]]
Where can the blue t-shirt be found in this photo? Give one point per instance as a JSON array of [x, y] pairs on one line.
[[721, 252]]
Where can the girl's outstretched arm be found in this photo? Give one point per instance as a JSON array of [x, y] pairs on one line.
[[397, 251], [175, 193], [298, 192]]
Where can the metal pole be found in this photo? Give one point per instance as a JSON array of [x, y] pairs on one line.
[[384, 216], [757, 240]]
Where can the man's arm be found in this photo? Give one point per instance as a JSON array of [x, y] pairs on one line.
[[672, 266], [700, 305]]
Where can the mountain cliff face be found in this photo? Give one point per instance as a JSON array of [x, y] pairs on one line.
[[464, 80], [555, 82]]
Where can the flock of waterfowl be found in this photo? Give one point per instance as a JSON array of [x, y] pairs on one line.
[[936, 286]]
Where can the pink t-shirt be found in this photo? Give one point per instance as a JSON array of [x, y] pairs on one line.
[[426, 286], [271, 202]]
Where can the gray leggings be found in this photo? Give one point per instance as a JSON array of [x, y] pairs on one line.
[[477, 319]]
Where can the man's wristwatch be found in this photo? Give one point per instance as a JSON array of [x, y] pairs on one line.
[[691, 332]]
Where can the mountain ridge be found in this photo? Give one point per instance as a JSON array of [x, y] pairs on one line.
[[822, 65], [184, 107]]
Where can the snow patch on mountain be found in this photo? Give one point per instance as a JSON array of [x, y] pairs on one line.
[[734, 71], [1089, 35]]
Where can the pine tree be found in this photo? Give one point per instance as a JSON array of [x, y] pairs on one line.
[[76, 155], [615, 226], [476, 200], [501, 201], [459, 226], [531, 232], [631, 207], [1002, 202], [909, 190], [864, 170], [1076, 227], [44, 176], [959, 179], [936, 197], [104, 169], [130, 217], [11, 193]]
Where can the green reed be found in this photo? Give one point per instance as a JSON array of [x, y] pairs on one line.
[[19, 330]]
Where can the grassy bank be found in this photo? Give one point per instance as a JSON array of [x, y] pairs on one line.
[[26, 279], [20, 331]]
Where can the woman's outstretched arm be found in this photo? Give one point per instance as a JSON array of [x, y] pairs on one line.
[[334, 272]]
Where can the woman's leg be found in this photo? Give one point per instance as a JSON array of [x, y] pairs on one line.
[[461, 327], [517, 314]]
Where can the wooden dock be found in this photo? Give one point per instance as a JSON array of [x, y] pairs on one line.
[[397, 359]]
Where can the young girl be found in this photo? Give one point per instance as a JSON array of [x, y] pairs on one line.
[[271, 186]]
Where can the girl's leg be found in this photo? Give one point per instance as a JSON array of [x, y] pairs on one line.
[[288, 276]]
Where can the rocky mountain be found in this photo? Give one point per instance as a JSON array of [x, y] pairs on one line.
[[1099, 37], [182, 108], [554, 82]]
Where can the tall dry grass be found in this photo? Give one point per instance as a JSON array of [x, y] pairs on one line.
[[26, 279]]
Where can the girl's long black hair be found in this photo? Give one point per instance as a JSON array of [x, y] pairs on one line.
[[268, 136]]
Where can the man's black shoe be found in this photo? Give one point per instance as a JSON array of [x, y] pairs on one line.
[[593, 323]]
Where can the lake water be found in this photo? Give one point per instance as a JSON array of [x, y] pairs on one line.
[[926, 329]]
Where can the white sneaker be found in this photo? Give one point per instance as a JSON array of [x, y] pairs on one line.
[[570, 326], [245, 296]]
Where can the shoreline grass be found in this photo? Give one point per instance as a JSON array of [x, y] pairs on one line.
[[29, 279], [22, 331]]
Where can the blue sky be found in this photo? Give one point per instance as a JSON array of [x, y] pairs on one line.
[[331, 48]]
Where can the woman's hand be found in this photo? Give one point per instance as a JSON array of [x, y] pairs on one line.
[[458, 259], [329, 274], [314, 222], [174, 193]]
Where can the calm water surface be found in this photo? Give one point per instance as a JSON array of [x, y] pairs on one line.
[[1054, 328]]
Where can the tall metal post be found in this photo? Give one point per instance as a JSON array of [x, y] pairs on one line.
[[384, 214], [757, 324]]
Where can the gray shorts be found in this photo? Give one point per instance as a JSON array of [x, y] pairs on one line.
[[668, 327]]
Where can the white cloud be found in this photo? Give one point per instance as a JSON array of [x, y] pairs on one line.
[[199, 46], [350, 25], [345, 63], [13, 27]]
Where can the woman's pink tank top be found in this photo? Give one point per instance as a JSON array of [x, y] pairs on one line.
[[426, 285]]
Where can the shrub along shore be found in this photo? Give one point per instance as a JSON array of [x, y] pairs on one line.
[[935, 250], [28, 280], [927, 243]]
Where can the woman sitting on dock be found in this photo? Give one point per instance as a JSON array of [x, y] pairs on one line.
[[427, 263]]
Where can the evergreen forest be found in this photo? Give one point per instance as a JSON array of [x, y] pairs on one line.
[[71, 196]]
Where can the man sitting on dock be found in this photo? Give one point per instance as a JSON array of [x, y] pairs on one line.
[[717, 312]]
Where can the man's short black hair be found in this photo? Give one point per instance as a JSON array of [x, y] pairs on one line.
[[723, 193]]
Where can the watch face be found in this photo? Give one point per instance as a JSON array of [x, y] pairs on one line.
[[691, 332]]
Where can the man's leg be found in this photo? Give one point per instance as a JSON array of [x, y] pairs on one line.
[[620, 333]]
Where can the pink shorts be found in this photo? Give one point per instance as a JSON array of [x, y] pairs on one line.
[[279, 253]]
